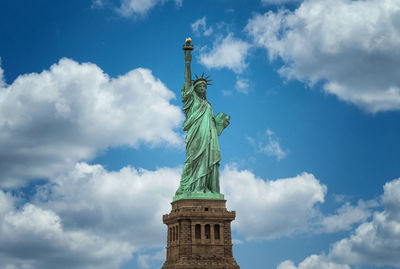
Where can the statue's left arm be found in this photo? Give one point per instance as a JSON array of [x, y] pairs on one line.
[[221, 121]]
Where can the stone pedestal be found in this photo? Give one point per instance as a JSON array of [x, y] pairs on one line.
[[199, 235]]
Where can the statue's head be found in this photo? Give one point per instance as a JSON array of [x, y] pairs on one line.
[[200, 88], [200, 85]]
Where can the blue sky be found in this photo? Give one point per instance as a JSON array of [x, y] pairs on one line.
[[91, 146]]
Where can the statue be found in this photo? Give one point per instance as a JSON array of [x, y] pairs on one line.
[[200, 176]]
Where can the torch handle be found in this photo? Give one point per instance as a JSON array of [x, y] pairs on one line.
[[187, 48]]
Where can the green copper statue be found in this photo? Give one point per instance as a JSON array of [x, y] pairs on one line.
[[200, 176]]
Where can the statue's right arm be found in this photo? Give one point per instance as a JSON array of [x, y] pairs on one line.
[[188, 72]]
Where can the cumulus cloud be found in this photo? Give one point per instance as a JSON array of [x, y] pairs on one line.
[[228, 52], [94, 218], [2, 82], [313, 262], [51, 120], [148, 260], [273, 208], [271, 147], [127, 204], [375, 242], [140, 7], [200, 27], [349, 46], [35, 238], [6, 202], [88, 218], [279, 2], [90, 196], [346, 216]]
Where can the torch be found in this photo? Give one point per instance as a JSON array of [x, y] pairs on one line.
[[187, 48]]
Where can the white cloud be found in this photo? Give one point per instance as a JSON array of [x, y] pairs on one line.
[[376, 242], [84, 217], [313, 262], [97, 4], [35, 238], [147, 260], [373, 243], [127, 204], [346, 216], [200, 27], [88, 218], [140, 7], [268, 209], [279, 2], [271, 148], [2, 81], [229, 52], [6, 203], [91, 197], [53, 119], [350, 46], [242, 85]]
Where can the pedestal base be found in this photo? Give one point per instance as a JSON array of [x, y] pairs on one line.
[[199, 235]]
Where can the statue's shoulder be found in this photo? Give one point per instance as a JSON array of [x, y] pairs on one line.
[[187, 89]]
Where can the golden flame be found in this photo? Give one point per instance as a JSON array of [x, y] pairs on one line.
[[188, 40]]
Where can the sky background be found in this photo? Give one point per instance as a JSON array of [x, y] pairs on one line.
[[91, 143]]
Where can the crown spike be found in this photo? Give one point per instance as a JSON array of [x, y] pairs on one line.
[[202, 78]]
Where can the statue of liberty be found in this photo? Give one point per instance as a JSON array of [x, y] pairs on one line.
[[200, 176]]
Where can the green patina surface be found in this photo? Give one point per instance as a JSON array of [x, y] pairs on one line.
[[200, 176], [199, 195]]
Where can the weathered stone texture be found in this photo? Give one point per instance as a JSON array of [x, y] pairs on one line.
[[199, 235]]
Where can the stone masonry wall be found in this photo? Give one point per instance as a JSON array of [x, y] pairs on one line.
[[214, 247]]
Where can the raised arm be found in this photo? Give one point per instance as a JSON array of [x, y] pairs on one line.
[[187, 48]]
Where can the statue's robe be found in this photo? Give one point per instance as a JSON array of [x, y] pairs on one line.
[[201, 171]]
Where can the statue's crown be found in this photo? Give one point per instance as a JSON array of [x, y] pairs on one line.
[[202, 78]]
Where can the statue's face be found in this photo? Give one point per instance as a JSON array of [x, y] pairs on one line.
[[201, 88]]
